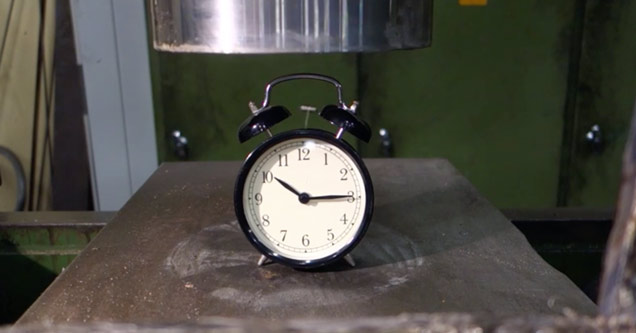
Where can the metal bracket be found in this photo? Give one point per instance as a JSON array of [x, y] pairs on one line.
[[179, 145]]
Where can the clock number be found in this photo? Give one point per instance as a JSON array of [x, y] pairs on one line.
[[265, 220], [259, 198], [303, 154], [351, 198], [330, 235], [343, 172], [284, 232], [282, 160], [343, 219], [305, 240], [326, 159], [267, 177]]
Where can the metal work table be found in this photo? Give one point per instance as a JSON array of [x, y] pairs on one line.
[[175, 252]]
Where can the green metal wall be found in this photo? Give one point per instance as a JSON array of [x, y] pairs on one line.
[[32, 254], [488, 96], [506, 93], [206, 97], [605, 95]]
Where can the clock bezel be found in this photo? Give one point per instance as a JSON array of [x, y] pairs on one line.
[[263, 148]]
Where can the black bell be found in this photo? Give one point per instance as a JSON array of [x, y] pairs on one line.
[[348, 121], [261, 121]]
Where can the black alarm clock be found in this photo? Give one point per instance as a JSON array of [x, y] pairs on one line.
[[304, 197]]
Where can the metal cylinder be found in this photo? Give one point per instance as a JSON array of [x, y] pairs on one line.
[[290, 26]]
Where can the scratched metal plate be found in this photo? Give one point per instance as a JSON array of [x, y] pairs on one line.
[[175, 252]]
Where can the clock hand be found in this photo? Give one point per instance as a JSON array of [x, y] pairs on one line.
[[302, 197], [329, 197], [287, 186]]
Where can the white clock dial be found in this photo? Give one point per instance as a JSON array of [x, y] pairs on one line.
[[305, 199]]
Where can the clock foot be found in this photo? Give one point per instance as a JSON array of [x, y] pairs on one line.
[[263, 260], [349, 259]]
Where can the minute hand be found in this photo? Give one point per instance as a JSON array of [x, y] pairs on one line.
[[328, 197]]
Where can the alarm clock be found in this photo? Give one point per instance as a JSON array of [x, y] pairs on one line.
[[304, 197]]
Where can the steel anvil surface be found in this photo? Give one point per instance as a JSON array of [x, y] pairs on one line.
[[175, 252]]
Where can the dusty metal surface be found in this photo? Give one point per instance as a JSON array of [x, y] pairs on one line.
[[174, 252], [422, 322]]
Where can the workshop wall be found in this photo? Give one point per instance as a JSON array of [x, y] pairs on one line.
[[507, 93]]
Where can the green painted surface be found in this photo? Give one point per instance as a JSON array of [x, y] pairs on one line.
[[206, 96], [606, 95], [488, 95], [30, 259], [49, 246], [22, 279]]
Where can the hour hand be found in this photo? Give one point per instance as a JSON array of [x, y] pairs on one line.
[[330, 197], [287, 186]]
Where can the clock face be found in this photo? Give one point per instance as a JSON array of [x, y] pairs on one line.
[[304, 198]]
